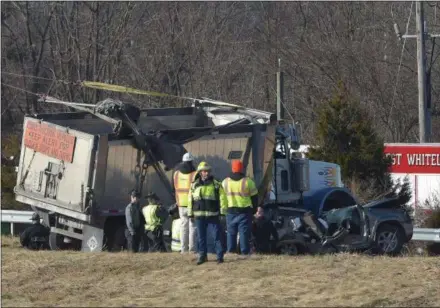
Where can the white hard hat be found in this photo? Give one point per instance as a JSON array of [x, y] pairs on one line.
[[187, 157]]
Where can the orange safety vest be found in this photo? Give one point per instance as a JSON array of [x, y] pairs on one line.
[[182, 185]]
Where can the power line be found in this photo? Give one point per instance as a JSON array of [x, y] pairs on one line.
[[20, 89], [26, 76], [16, 88], [423, 75], [400, 62], [43, 78]]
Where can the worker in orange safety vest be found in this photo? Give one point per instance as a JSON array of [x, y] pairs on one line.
[[242, 198]]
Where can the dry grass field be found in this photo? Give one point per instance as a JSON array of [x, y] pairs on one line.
[[123, 279]]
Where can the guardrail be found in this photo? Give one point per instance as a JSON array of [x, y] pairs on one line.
[[426, 234], [24, 217], [19, 217]]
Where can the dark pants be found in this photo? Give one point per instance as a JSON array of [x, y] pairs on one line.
[[239, 223], [210, 239], [264, 247], [154, 241], [133, 241], [205, 226]]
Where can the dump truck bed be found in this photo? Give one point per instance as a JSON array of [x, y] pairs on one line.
[[56, 167], [72, 164]]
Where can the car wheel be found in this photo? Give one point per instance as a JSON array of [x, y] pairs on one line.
[[389, 239], [289, 249]]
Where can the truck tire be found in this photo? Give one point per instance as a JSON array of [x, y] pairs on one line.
[[117, 241], [55, 241], [389, 239], [289, 249]]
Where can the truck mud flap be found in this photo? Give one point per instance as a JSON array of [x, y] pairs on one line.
[[92, 239]]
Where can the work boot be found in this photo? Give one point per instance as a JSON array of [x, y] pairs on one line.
[[201, 261], [220, 261]]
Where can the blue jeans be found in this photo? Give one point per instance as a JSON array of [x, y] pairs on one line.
[[239, 223], [206, 225]]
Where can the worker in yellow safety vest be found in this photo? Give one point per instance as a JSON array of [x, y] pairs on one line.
[[175, 235], [242, 198], [182, 178], [206, 202], [155, 215]]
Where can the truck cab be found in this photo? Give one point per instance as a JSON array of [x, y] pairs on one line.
[[302, 184]]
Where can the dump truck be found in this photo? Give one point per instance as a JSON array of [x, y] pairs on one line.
[[77, 168]]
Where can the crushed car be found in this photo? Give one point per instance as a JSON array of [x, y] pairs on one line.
[[380, 227]]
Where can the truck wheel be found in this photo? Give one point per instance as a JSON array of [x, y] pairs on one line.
[[55, 241], [117, 243], [289, 249], [389, 239]]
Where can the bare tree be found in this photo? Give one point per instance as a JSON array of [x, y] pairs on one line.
[[222, 50]]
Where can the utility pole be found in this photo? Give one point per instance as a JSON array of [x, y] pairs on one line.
[[280, 92], [421, 73], [424, 84]]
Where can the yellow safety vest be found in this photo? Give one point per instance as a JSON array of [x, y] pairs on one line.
[[182, 185], [151, 219], [207, 200], [175, 235], [239, 193]]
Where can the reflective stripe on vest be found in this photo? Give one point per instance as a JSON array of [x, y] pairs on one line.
[[151, 219], [175, 235], [205, 213], [237, 192], [182, 185], [206, 200]]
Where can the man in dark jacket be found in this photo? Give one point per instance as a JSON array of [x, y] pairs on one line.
[[35, 237], [133, 218], [262, 230]]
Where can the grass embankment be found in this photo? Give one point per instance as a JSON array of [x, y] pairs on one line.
[[122, 279]]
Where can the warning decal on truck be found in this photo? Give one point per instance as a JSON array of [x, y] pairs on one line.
[[49, 141]]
